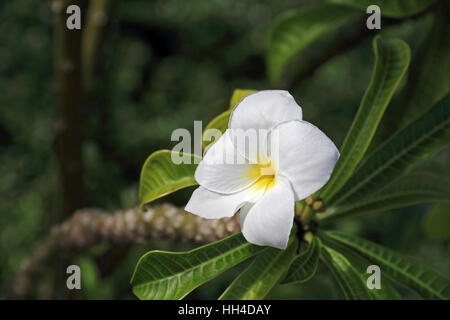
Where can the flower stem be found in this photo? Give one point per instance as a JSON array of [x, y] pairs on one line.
[[307, 214], [308, 237]]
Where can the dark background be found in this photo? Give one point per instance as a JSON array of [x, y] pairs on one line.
[[162, 65]]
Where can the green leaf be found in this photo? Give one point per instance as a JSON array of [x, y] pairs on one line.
[[390, 8], [294, 31], [391, 61], [262, 274], [91, 274], [436, 223], [418, 141], [407, 190], [360, 263], [429, 77], [304, 266], [161, 176], [386, 292], [161, 275], [220, 123], [420, 278], [238, 95], [348, 278]]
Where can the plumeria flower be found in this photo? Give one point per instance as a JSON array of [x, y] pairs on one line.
[[265, 184]]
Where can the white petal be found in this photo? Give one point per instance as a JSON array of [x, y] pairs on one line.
[[211, 205], [255, 114], [306, 156], [223, 170], [269, 221], [264, 109]]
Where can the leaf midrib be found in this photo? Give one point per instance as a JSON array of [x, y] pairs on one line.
[[341, 274], [268, 267], [309, 254], [393, 266], [354, 141], [395, 194], [178, 274], [390, 161]]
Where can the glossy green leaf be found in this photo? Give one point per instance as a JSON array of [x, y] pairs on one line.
[[360, 263], [420, 278], [238, 95], [161, 275], [428, 77], [220, 123], [407, 190], [418, 141], [294, 31], [386, 292], [348, 278], [390, 8], [436, 223], [161, 176], [262, 274], [304, 266], [391, 61]]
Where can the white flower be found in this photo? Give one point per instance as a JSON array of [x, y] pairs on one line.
[[263, 185]]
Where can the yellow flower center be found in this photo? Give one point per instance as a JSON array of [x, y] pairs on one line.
[[266, 175]]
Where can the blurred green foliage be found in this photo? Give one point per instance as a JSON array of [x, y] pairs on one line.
[[167, 62]]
